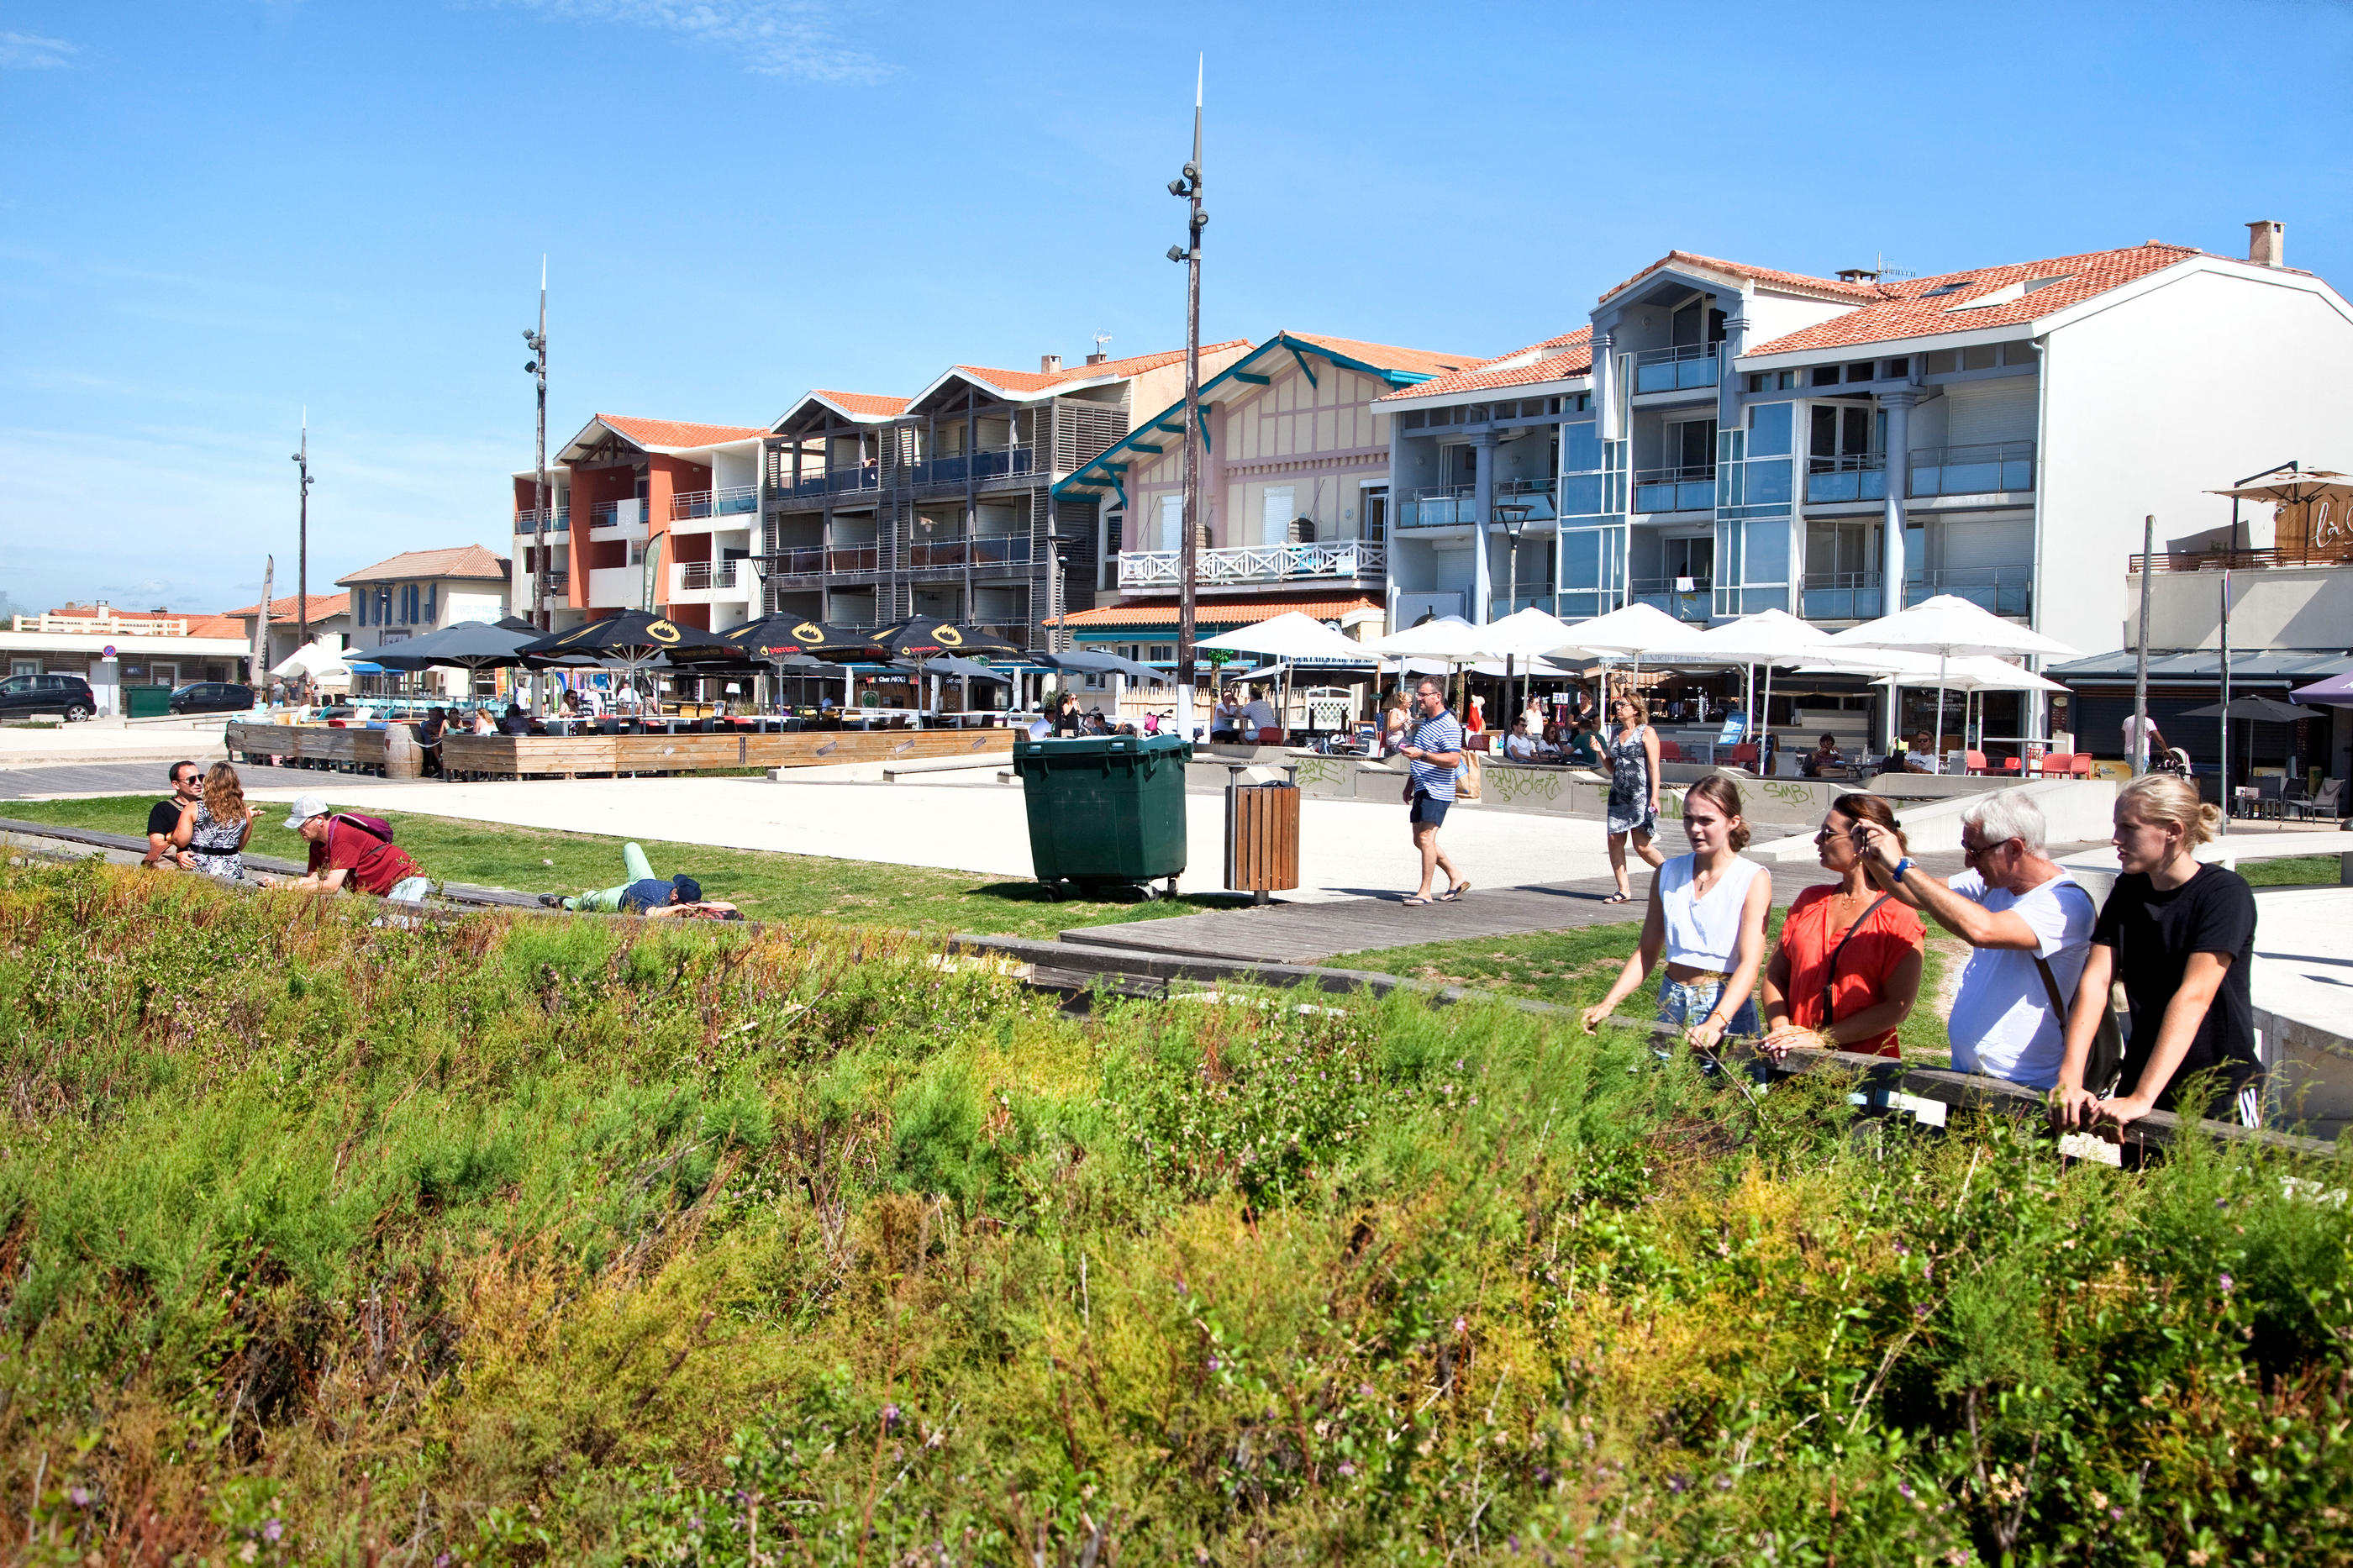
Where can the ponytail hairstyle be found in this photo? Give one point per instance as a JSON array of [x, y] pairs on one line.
[[2167, 797], [1719, 788], [1873, 809], [224, 795]]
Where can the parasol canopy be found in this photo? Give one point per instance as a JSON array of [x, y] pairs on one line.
[[2336, 691], [779, 636], [1085, 661], [468, 644], [1293, 635], [2264, 710], [928, 637]]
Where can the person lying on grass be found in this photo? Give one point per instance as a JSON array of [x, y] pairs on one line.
[[680, 897], [1706, 916]]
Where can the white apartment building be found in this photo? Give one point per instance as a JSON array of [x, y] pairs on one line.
[[1723, 438]]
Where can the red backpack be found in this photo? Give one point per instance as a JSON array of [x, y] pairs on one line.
[[373, 827]]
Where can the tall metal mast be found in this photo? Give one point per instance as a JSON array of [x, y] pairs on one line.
[[543, 610], [1188, 185], [301, 544]]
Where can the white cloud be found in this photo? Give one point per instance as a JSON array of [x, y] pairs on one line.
[[772, 38], [27, 52]]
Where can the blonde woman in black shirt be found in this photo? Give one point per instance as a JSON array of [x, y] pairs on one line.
[[2179, 935]]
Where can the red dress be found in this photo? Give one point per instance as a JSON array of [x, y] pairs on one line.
[[1882, 940]]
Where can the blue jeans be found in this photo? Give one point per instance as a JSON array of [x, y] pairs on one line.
[[1689, 1002]]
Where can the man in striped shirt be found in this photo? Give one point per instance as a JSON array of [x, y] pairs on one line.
[[1433, 750]]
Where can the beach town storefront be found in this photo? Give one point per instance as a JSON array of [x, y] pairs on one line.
[[112, 649], [1146, 632]]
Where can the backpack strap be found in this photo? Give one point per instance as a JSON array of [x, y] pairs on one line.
[[1829, 974]]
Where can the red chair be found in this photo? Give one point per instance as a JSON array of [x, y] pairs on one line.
[[1270, 736], [1669, 751], [2079, 765], [1973, 762], [2013, 767], [1743, 755]]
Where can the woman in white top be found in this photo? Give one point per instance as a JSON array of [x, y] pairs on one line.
[[1708, 920]]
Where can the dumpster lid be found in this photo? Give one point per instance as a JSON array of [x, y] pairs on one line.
[[1099, 745]]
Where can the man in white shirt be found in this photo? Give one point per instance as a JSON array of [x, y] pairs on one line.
[[592, 702], [1258, 714], [1519, 746], [2023, 915]]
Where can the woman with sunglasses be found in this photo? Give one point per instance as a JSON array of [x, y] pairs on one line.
[[1847, 969]]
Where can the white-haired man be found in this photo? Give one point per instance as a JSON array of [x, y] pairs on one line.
[[2030, 922]]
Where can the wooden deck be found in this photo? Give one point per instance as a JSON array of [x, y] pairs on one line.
[[572, 756]]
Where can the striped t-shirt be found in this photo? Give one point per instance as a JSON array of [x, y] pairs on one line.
[[1442, 733]]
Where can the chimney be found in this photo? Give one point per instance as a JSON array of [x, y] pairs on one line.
[[1048, 364], [2267, 243], [1858, 275], [1098, 357]]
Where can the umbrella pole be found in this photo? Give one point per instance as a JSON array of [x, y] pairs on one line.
[[1940, 708], [1765, 724]]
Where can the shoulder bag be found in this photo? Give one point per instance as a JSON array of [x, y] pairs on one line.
[[2107, 1062], [1830, 973]]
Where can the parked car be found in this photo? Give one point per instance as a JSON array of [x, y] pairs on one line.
[[69, 695], [211, 697]]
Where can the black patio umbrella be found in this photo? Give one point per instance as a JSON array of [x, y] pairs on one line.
[[632, 638], [927, 637], [963, 669], [2267, 709], [517, 623], [780, 636], [468, 645]]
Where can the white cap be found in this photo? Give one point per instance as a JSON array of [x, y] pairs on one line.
[[309, 806]]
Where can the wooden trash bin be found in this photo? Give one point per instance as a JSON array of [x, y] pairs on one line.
[[1261, 834]]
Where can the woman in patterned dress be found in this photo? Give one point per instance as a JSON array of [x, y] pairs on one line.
[[213, 828], [1633, 813]]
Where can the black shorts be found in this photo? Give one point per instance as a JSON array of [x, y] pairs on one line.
[[1427, 808]]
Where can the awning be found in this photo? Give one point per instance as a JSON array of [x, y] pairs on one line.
[[2284, 666]]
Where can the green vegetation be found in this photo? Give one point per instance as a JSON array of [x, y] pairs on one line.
[[765, 885], [2297, 871], [1576, 967], [526, 1241]]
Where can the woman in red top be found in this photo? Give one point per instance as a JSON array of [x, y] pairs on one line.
[[1848, 964]]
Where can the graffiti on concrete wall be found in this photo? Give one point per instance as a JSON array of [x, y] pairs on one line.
[[1507, 784]]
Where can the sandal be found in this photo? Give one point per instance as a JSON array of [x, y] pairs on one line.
[[1416, 901], [1618, 898], [1454, 893]]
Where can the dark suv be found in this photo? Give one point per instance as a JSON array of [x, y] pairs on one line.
[[24, 695], [211, 697]]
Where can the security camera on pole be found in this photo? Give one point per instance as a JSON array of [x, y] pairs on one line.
[[1189, 186]]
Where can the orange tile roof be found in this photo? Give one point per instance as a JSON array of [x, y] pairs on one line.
[[864, 403], [217, 627], [1801, 283], [323, 607], [464, 560], [1388, 356], [1134, 364], [1555, 359], [1899, 309], [675, 432], [1235, 613]]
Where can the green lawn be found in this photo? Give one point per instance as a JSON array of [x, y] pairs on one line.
[[2296, 871], [1575, 968], [765, 885]]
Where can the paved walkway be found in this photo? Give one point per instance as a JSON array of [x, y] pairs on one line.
[[98, 741], [1307, 933], [147, 778]]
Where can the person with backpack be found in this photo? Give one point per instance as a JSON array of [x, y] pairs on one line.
[[349, 850]]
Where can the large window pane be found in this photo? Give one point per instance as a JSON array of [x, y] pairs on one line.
[[1580, 449], [1769, 430]]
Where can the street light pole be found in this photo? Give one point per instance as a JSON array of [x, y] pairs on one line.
[[1514, 516], [301, 545], [1188, 185]]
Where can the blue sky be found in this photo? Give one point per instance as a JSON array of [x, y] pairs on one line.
[[218, 211]]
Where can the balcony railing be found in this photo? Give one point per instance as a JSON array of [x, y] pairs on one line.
[[1675, 490], [987, 549], [1980, 469], [2004, 590], [693, 577], [827, 481], [1668, 593], [1857, 476], [728, 503], [1256, 563], [1456, 504], [2335, 554], [1839, 596], [804, 562], [1676, 369], [956, 468], [528, 519]]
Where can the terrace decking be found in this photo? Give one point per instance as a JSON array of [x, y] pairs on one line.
[[573, 756]]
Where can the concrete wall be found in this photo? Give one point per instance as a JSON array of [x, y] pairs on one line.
[[2277, 607], [2217, 370]]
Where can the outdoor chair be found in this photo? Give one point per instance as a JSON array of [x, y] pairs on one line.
[[2079, 765], [1669, 752], [2326, 802], [1974, 762], [2013, 768], [1740, 756]]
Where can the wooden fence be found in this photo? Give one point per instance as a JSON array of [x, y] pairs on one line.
[[563, 756]]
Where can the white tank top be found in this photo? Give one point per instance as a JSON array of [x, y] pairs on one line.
[[1704, 933]]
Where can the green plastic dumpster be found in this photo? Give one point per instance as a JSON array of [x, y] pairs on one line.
[[146, 701], [1105, 810]]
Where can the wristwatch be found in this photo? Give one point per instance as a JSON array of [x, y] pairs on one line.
[[1902, 867]]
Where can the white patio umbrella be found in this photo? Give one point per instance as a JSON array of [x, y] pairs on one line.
[[321, 658], [1768, 637], [1951, 627], [1630, 632], [1292, 637]]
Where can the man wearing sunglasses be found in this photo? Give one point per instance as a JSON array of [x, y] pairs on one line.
[[164, 818], [2030, 922]]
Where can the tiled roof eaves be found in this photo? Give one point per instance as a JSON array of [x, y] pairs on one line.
[[1561, 368], [1798, 283]]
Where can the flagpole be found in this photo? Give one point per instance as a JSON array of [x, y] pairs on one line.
[[1188, 185]]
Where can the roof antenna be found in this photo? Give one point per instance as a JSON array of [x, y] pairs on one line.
[[1099, 356]]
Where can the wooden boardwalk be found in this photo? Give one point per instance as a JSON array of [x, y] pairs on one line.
[[1308, 933]]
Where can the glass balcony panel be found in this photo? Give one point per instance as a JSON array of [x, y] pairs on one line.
[[1582, 494], [1973, 470]]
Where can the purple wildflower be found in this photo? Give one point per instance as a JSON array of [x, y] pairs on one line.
[[1905, 1488], [1346, 1468], [890, 1418], [1676, 1483], [271, 1531], [2226, 1282], [80, 1496], [1215, 1364]]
